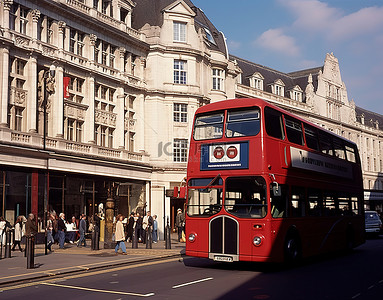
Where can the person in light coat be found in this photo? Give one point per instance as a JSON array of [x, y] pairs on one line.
[[120, 235], [18, 233]]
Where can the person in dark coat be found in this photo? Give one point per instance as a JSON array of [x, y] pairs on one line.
[[30, 226], [61, 230], [82, 230], [129, 228]]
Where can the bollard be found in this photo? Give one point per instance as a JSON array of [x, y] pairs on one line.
[[31, 252], [93, 240], [26, 247], [46, 242], [97, 238], [135, 239], [149, 238], [168, 243], [8, 243]]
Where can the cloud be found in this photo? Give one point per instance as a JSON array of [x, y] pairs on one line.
[[277, 41], [366, 21], [314, 16]]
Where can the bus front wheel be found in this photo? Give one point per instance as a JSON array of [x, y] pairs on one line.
[[293, 250]]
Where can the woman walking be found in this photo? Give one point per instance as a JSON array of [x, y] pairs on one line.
[[18, 233], [120, 235]]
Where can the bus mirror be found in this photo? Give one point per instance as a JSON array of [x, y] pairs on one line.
[[277, 191]]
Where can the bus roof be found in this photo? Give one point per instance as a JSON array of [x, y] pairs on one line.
[[249, 102]]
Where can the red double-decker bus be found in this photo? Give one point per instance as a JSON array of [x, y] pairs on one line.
[[266, 185]]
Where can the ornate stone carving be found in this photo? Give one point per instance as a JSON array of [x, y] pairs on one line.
[[35, 15], [62, 26], [92, 39]]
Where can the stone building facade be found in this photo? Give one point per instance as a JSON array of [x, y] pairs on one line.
[[114, 120]]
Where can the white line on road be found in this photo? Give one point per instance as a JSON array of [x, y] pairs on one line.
[[97, 290], [192, 282]]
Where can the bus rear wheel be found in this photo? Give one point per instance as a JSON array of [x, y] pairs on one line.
[[292, 250]]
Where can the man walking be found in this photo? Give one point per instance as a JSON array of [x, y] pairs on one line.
[[82, 230], [61, 230]]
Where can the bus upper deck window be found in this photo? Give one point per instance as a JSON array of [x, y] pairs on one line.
[[208, 127], [311, 137], [294, 131], [243, 123], [274, 123]]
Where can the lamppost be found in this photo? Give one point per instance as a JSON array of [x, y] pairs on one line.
[[49, 88]]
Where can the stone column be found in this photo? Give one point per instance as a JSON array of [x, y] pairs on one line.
[[120, 118], [57, 111], [4, 87], [92, 44], [60, 44], [35, 20], [121, 59], [32, 94], [89, 116], [7, 8]]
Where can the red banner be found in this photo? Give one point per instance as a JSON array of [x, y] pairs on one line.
[[66, 87]]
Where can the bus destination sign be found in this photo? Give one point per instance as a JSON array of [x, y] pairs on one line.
[[225, 156]]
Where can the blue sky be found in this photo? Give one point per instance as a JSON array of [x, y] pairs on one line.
[[291, 35]]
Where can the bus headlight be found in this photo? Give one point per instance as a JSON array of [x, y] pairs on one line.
[[192, 237], [257, 241]]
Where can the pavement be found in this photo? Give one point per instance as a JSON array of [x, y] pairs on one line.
[[74, 259]]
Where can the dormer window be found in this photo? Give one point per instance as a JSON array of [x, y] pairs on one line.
[[256, 81], [179, 32], [209, 36], [278, 88], [296, 93]]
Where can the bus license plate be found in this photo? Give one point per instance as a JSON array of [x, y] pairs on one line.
[[223, 258]]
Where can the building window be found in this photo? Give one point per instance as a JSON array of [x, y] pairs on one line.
[[19, 18], [104, 53], [179, 32], [180, 150], [218, 79], [70, 130], [18, 118], [74, 130], [76, 43], [76, 89], [179, 71], [278, 90], [131, 141], [180, 113]]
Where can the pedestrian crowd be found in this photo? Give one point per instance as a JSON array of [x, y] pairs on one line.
[[60, 230]]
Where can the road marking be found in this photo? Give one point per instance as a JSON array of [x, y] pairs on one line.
[[89, 273], [192, 282], [356, 296], [59, 270], [96, 290]]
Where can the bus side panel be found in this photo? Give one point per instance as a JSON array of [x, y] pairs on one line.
[[200, 247]]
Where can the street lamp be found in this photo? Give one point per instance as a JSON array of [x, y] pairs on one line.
[[49, 88]]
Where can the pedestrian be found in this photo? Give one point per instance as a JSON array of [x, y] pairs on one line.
[[149, 225], [50, 239], [119, 235], [82, 230], [2, 230], [180, 221], [71, 228], [18, 233], [155, 229], [30, 226], [61, 230], [129, 228], [138, 228]]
